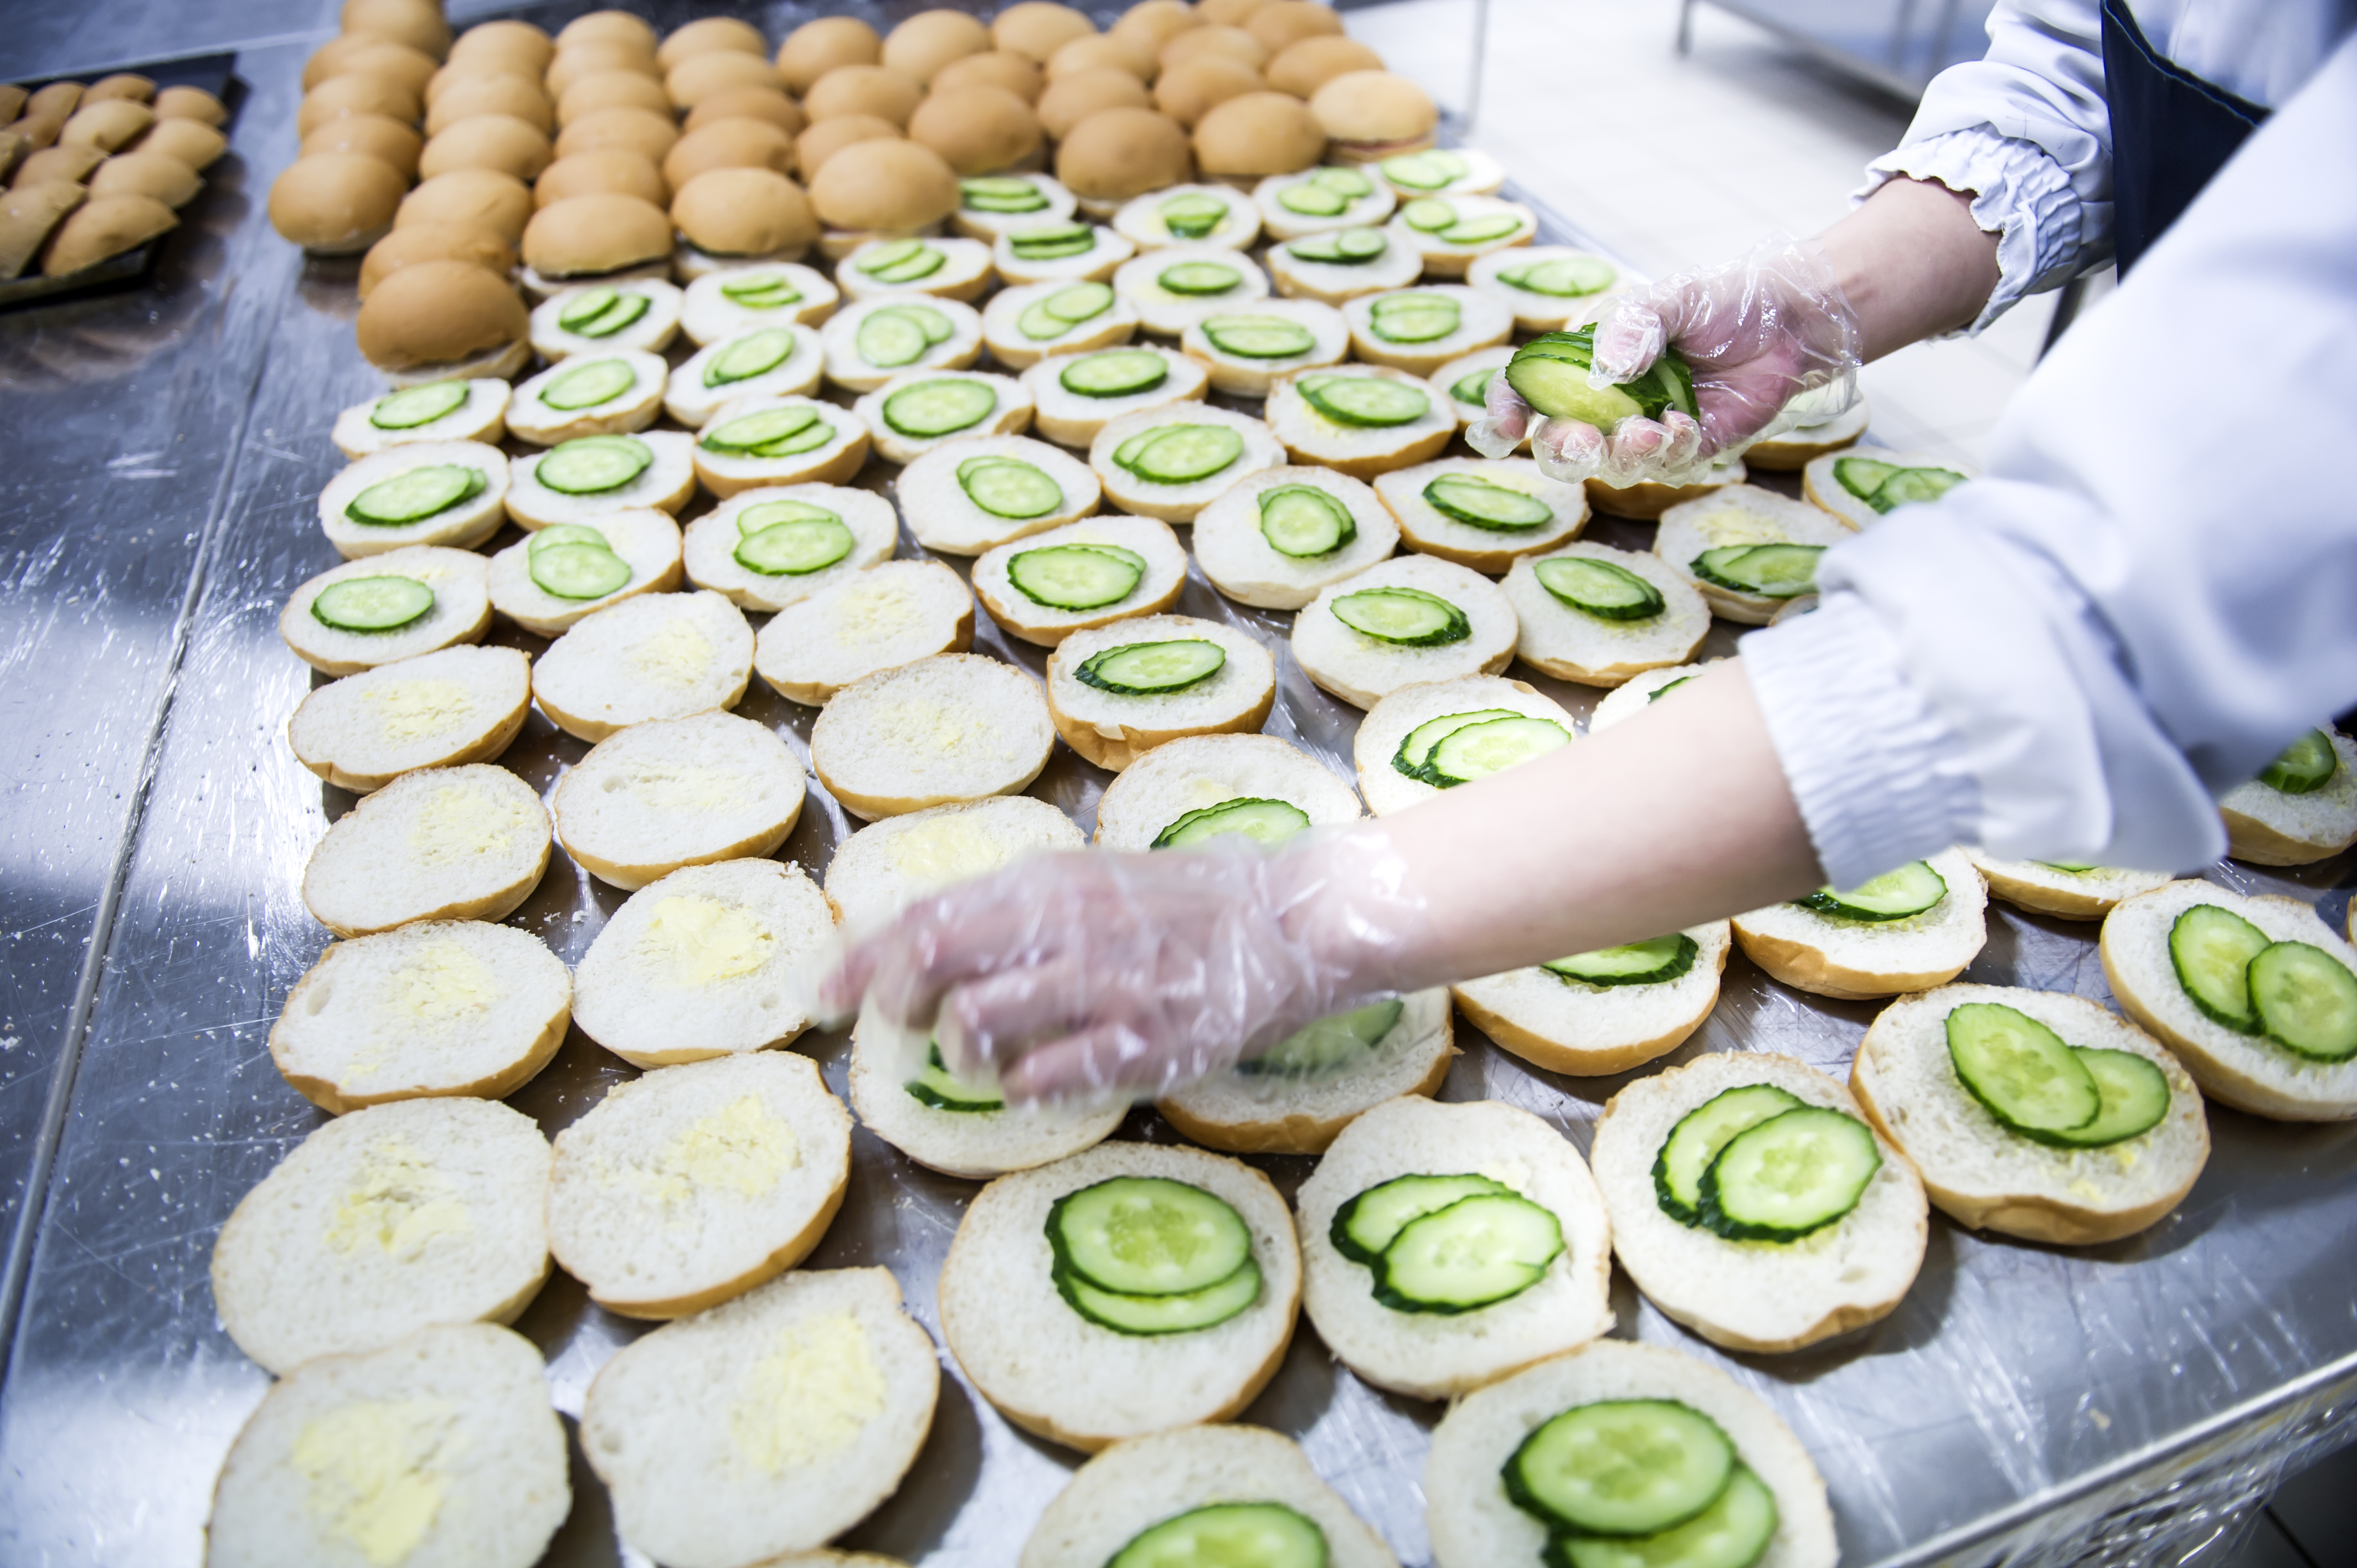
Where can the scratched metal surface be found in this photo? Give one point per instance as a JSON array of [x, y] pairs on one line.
[[2009, 1370]]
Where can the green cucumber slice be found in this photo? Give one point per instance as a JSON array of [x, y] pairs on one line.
[[1550, 374], [416, 494], [578, 571], [1006, 487], [1733, 1532], [901, 260], [1313, 200], [1473, 390], [1373, 402], [794, 548], [1767, 571], [1475, 1252], [936, 1086], [809, 438], [1370, 1222], [1699, 1136], [768, 514], [1414, 318], [1073, 576], [1332, 1045], [2306, 766], [592, 465], [1600, 588], [1118, 372], [1861, 477], [1149, 669], [1792, 1174], [1621, 1467], [1063, 310], [1343, 181], [1195, 278], [1182, 454], [1147, 1315], [1052, 242], [1263, 821], [1414, 751], [2135, 1095], [1258, 337], [887, 339], [755, 432], [2306, 1000], [1407, 616], [1565, 277], [1427, 216], [753, 355], [1227, 1535], [940, 408], [412, 406], [1304, 521], [1002, 194], [1893, 896], [602, 312], [2211, 950], [1476, 751], [1484, 503], [371, 604], [1479, 231], [549, 538], [1193, 215], [1653, 961], [1342, 248], [1147, 1236], [1428, 170], [760, 290], [1911, 485], [2021, 1071]]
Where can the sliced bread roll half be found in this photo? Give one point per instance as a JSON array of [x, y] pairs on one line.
[[1797, 447], [2255, 1071], [1566, 1024], [1173, 288], [1236, 537], [1109, 690], [1451, 234], [610, 393], [1299, 1098], [1028, 261], [917, 411], [438, 710], [1144, 221], [423, 492], [1243, 348], [1562, 635], [1420, 329], [1172, 461], [480, 415], [603, 318], [922, 335], [1465, 382], [882, 868], [1329, 418], [825, 519], [1319, 268], [1982, 1172], [384, 1222], [956, 726], [1738, 515], [1285, 220], [1482, 512], [441, 1447], [1383, 778], [440, 843], [1134, 1486], [1045, 587], [722, 305], [706, 962], [1055, 1373], [881, 268], [1550, 288], [983, 223], [659, 465], [1862, 485], [660, 656], [692, 1185], [769, 1425], [1638, 693], [1022, 326], [337, 641], [1475, 1524], [1763, 1297], [1031, 486], [673, 792], [758, 442], [1436, 1355], [972, 1134], [2266, 826], [1173, 782], [1079, 394], [777, 360], [642, 539], [894, 613], [2067, 892], [1458, 623], [438, 1007], [1860, 960]]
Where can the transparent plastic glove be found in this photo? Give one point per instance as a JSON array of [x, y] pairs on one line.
[[1076, 976], [1773, 344]]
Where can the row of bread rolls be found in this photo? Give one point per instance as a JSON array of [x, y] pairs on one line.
[[98, 170]]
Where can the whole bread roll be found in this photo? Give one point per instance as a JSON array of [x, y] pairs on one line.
[[105, 227]]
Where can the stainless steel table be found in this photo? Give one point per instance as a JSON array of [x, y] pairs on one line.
[[2023, 1403]]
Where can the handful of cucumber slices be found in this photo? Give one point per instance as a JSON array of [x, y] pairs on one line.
[[1147, 1255], [1758, 1164], [1550, 374], [1446, 1244], [1639, 1483]]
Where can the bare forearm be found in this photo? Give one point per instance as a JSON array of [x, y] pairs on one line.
[[1913, 263]]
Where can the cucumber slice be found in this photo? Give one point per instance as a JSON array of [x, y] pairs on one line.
[[1370, 1222], [901, 260], [756, 433], [1150, 669], [1313, 200], [935, 1086], [809, 438], [1193, 215], [1479, 231], [414, 406], [2211, 950], [1475, 1252], [1861, 477], [2076, 867], [602, 312], [578, 571], [1428, 215], [1334, 1045], [1550, 372], [1147, 1236], [586, 386], [758, 354], [1408, 617], [1415, 753], [1699, 1136], [1476, 751], [1147, 1315], [2135, 1095], [1343, 181], [1065, 310], [592, 465], [794, 549], [760, 290], [1565, 277], [1227, 1535], [2021, 1071], [1196, 278], [1485, 504], [891, 337], [1263, 821], [1911, 485], [1258, 337], [416, 495], [1664, 689], [1769, 571], [549, 538], [371, 604], [1118, 372], [1621, 1467], [1428, 170], [1599, 588], [940, 408], [1002, 194], [1733, 1532], [1414, 317], [1073, 576], [1052, 242], [1039, 324], [1893, 896], [1342, 248], [1304, 521], [1373, 402], [1005, 487], [1473, 391], [1180, 454], [1653, 961], [2306, 766], [768, 514], [1792, 1174], [2306, 1000]]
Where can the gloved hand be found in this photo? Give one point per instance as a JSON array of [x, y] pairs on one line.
[[1079, 975], [1773, 344]]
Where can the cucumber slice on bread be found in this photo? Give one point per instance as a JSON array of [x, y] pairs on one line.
[[1477, 750], [371, 604], [795, 546], [586, 386], [1258, 337], [1408, 617], [1263, 821], [1698, 1138], [1733, 1532], [1150, 669], [1148, 1236], [2021, 1070], [1180, 453], [1770, 571], [1650, 963], [2306, 766], [1009, 487], [1599, 588], [1893, 896], [1249, 1535], [1365, 401], [416, 494], [2211, 948], [578, 571], [1153, 1315], [1329, 1045], [1117, 372], [1481, 1249], [1478, 504], [937, 1086], [1621, 1467], [1368, 1223], [1304, 521], [1796, 1172], [1075, 577], [412, 406], [2306, 1000], [592, 465], [944, 407]]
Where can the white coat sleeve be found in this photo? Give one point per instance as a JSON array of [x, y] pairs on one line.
[[2153, 592]]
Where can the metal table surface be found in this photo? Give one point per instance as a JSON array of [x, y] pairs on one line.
[[158, 508]]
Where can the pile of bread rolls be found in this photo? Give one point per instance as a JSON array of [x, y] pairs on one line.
[[97, 171]]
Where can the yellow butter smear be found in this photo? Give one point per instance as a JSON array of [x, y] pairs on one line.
[[810, 1397], [686, 787], [443, 983], [743, 1149], [865, 613], [374, 1471], [411, 710], [950, 849], [696, 941], [678, 655], [1733, 525], [398, 1203], [928, 727], [458, 823]]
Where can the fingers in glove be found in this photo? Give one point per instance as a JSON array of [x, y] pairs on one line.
[[1505, 421], [1631, 335], [1111, 1059], [988, 1023], [1569, 450]]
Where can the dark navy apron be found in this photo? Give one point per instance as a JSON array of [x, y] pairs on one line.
[[2170, 131]]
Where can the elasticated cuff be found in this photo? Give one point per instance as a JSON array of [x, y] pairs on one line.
[[2019, 194]]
